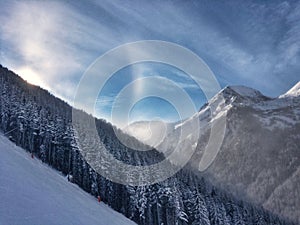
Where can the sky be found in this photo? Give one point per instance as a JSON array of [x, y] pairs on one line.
[[250, 43]]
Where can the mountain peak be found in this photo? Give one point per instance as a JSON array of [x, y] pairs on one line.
[[293, 92], [239, 94], [245, 91]]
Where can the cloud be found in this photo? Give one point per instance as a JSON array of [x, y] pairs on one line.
[[255, 44], [289, 46], [54, 40]]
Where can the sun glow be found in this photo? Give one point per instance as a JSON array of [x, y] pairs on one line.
[[30, 76]]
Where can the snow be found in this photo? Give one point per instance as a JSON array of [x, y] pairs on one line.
[[276, 121], [179, 125], [245, 91], [293, 92], [220, 111], [33, 193]]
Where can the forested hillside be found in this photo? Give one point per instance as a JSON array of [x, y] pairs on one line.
[[41, 123]]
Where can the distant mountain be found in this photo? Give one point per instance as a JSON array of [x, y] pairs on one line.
[[42, 124], [151, 133], [259, 158]]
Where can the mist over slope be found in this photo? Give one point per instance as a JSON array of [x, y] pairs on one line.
[[151, 133]]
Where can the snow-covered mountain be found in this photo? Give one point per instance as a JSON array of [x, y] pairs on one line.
[[41, 124], [33, 193], [260, 155], [293, 92]]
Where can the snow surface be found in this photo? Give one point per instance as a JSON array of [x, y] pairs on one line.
[[32, 193], [245, 91], [293, 92]]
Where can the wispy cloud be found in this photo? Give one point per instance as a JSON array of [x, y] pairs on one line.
[[37, 33], [252, 43], [54, 40]]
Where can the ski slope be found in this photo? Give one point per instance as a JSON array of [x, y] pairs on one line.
[[31, 193]]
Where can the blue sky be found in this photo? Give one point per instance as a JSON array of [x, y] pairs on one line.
[[52, 43]]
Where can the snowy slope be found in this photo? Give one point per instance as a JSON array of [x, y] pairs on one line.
[[31, 193], [293, 92], [245, 91]]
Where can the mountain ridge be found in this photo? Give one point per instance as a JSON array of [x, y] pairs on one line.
[[261, 132]]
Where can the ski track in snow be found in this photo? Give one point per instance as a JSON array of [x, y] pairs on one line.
[[32, 193]]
